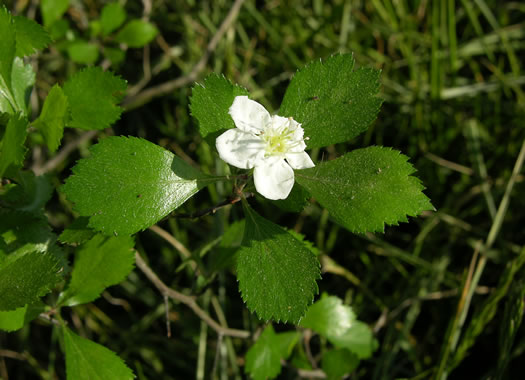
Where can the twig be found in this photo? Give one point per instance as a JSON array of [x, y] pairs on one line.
[[187, 300], [167, 309], [173, 241], [12, 355], [449, 164], [64, 153], [167, 87], [213, 210]]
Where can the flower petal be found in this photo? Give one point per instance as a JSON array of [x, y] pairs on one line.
[[273, 178], [239, 148], [299, 160], [248, 115]]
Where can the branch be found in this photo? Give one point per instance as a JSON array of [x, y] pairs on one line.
[[187, 300], [167, 87]]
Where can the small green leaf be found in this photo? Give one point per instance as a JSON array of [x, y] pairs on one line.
[[52, 10], [53, 117], [101, 262], [77, 233], [12, 320], [112, 16], [16, 319], [335, 321], [13, 149], [30, 194], [137, 33], [329, 317], [129, 184], [358, 339], [30, 36], [339, 362], [22, 81], [36, 236], [93, 95], [366, 188], [8, 48], [333, 102], [87, 360], [23, 279], [211, 101], [263, 359], [277, 274], [83, 52]]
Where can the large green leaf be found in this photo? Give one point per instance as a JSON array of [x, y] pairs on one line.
[[263, 359], [101, 262], [30, 36], [87, 360], [211, 101], [129, 184], [93, 95], [13, 150], [25, 278], [333, 101], [137, 33], [277, 274], [53, 117], [111, 17], [366, 188]]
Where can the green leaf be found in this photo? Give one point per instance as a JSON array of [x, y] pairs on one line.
[[93, 95], [333, 102], [277, 274], [366, 188], [137, 33], [112, 16], [101, 262], [295, 201], [53, 117], [22, 81], [337, 322], [16, 319], [8, 48], [52, 10], [30, 36], [13, 149], [30, 194], [339, 362], [329, 317], [83, 52], [35, 236], [26, 278], [129, 184], [263, 359], [211, 101], [358, 338], [77, 233], [12, 320], [87, 360]]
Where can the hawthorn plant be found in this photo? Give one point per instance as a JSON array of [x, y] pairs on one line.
[[128, 184]]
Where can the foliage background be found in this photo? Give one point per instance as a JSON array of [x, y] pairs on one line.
[[454, 102]]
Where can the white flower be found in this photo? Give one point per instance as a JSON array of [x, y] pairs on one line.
[[272, 145]]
